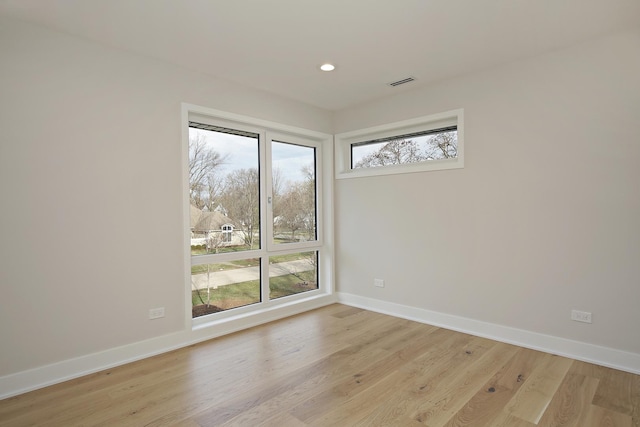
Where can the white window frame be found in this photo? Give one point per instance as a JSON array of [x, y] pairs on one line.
[[299, 246], [323, 245], [227, 233], [345, 141]]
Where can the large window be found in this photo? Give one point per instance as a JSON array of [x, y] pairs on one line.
[[423, 144], [255, 216]]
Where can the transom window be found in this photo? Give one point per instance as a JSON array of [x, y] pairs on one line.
[[418, 147], [423, 144]]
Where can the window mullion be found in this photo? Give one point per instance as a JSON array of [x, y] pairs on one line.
[[265, 198], [269, 231]]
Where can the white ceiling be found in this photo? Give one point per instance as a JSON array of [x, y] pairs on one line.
[[277, 45]]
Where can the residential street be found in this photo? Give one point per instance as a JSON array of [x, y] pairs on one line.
[[238, 275]]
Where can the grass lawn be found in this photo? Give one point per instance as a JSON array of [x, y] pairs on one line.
[[245, 293]]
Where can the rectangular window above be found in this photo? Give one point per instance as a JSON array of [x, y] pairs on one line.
[[424, 144]]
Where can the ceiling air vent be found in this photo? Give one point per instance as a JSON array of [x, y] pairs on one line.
[[401, 82]]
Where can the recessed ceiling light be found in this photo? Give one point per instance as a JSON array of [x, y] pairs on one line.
[[327, 67]]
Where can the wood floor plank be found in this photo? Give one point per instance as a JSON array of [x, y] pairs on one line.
[[597, 416], [333, 368], [346, 311], [276, 371], [354, 410], [452, 396], [84, 386], [135, 377], [532, 399], [264, 402], [173, 388], [617, 391], [336, 368], [186, 423], [572, 399], [419, 378], [284, 419], [635, 398], [505, 419], [339, 365], [485, 406], [363, 378]]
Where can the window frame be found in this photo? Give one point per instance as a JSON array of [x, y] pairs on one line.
[[345, 141], [227, 233], [299, 246], [324, 294]]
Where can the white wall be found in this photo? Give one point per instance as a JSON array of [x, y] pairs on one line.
[[545, 216], [90, 183]]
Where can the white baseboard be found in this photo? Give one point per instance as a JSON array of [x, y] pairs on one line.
[[25, 381], [32, 379], [604, 356]]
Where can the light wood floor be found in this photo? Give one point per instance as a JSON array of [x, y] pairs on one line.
[[340, 366]]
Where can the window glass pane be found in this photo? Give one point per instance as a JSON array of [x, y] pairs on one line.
[[223, 286], [223, 190], [414, 148], [292, 274], [294, 192]]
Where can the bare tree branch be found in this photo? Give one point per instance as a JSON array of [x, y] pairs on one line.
[[203, 161]]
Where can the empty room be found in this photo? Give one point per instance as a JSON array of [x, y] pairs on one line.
[[320, 213]]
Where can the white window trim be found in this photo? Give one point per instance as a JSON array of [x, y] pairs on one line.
[[344, 141], [227, 232], [309, 300], [300, 246]]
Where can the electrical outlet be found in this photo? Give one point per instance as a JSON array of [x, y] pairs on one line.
[[156, 313], [581, 316], [378, 282]]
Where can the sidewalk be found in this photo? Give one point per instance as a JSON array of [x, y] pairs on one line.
[[238, 275]]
